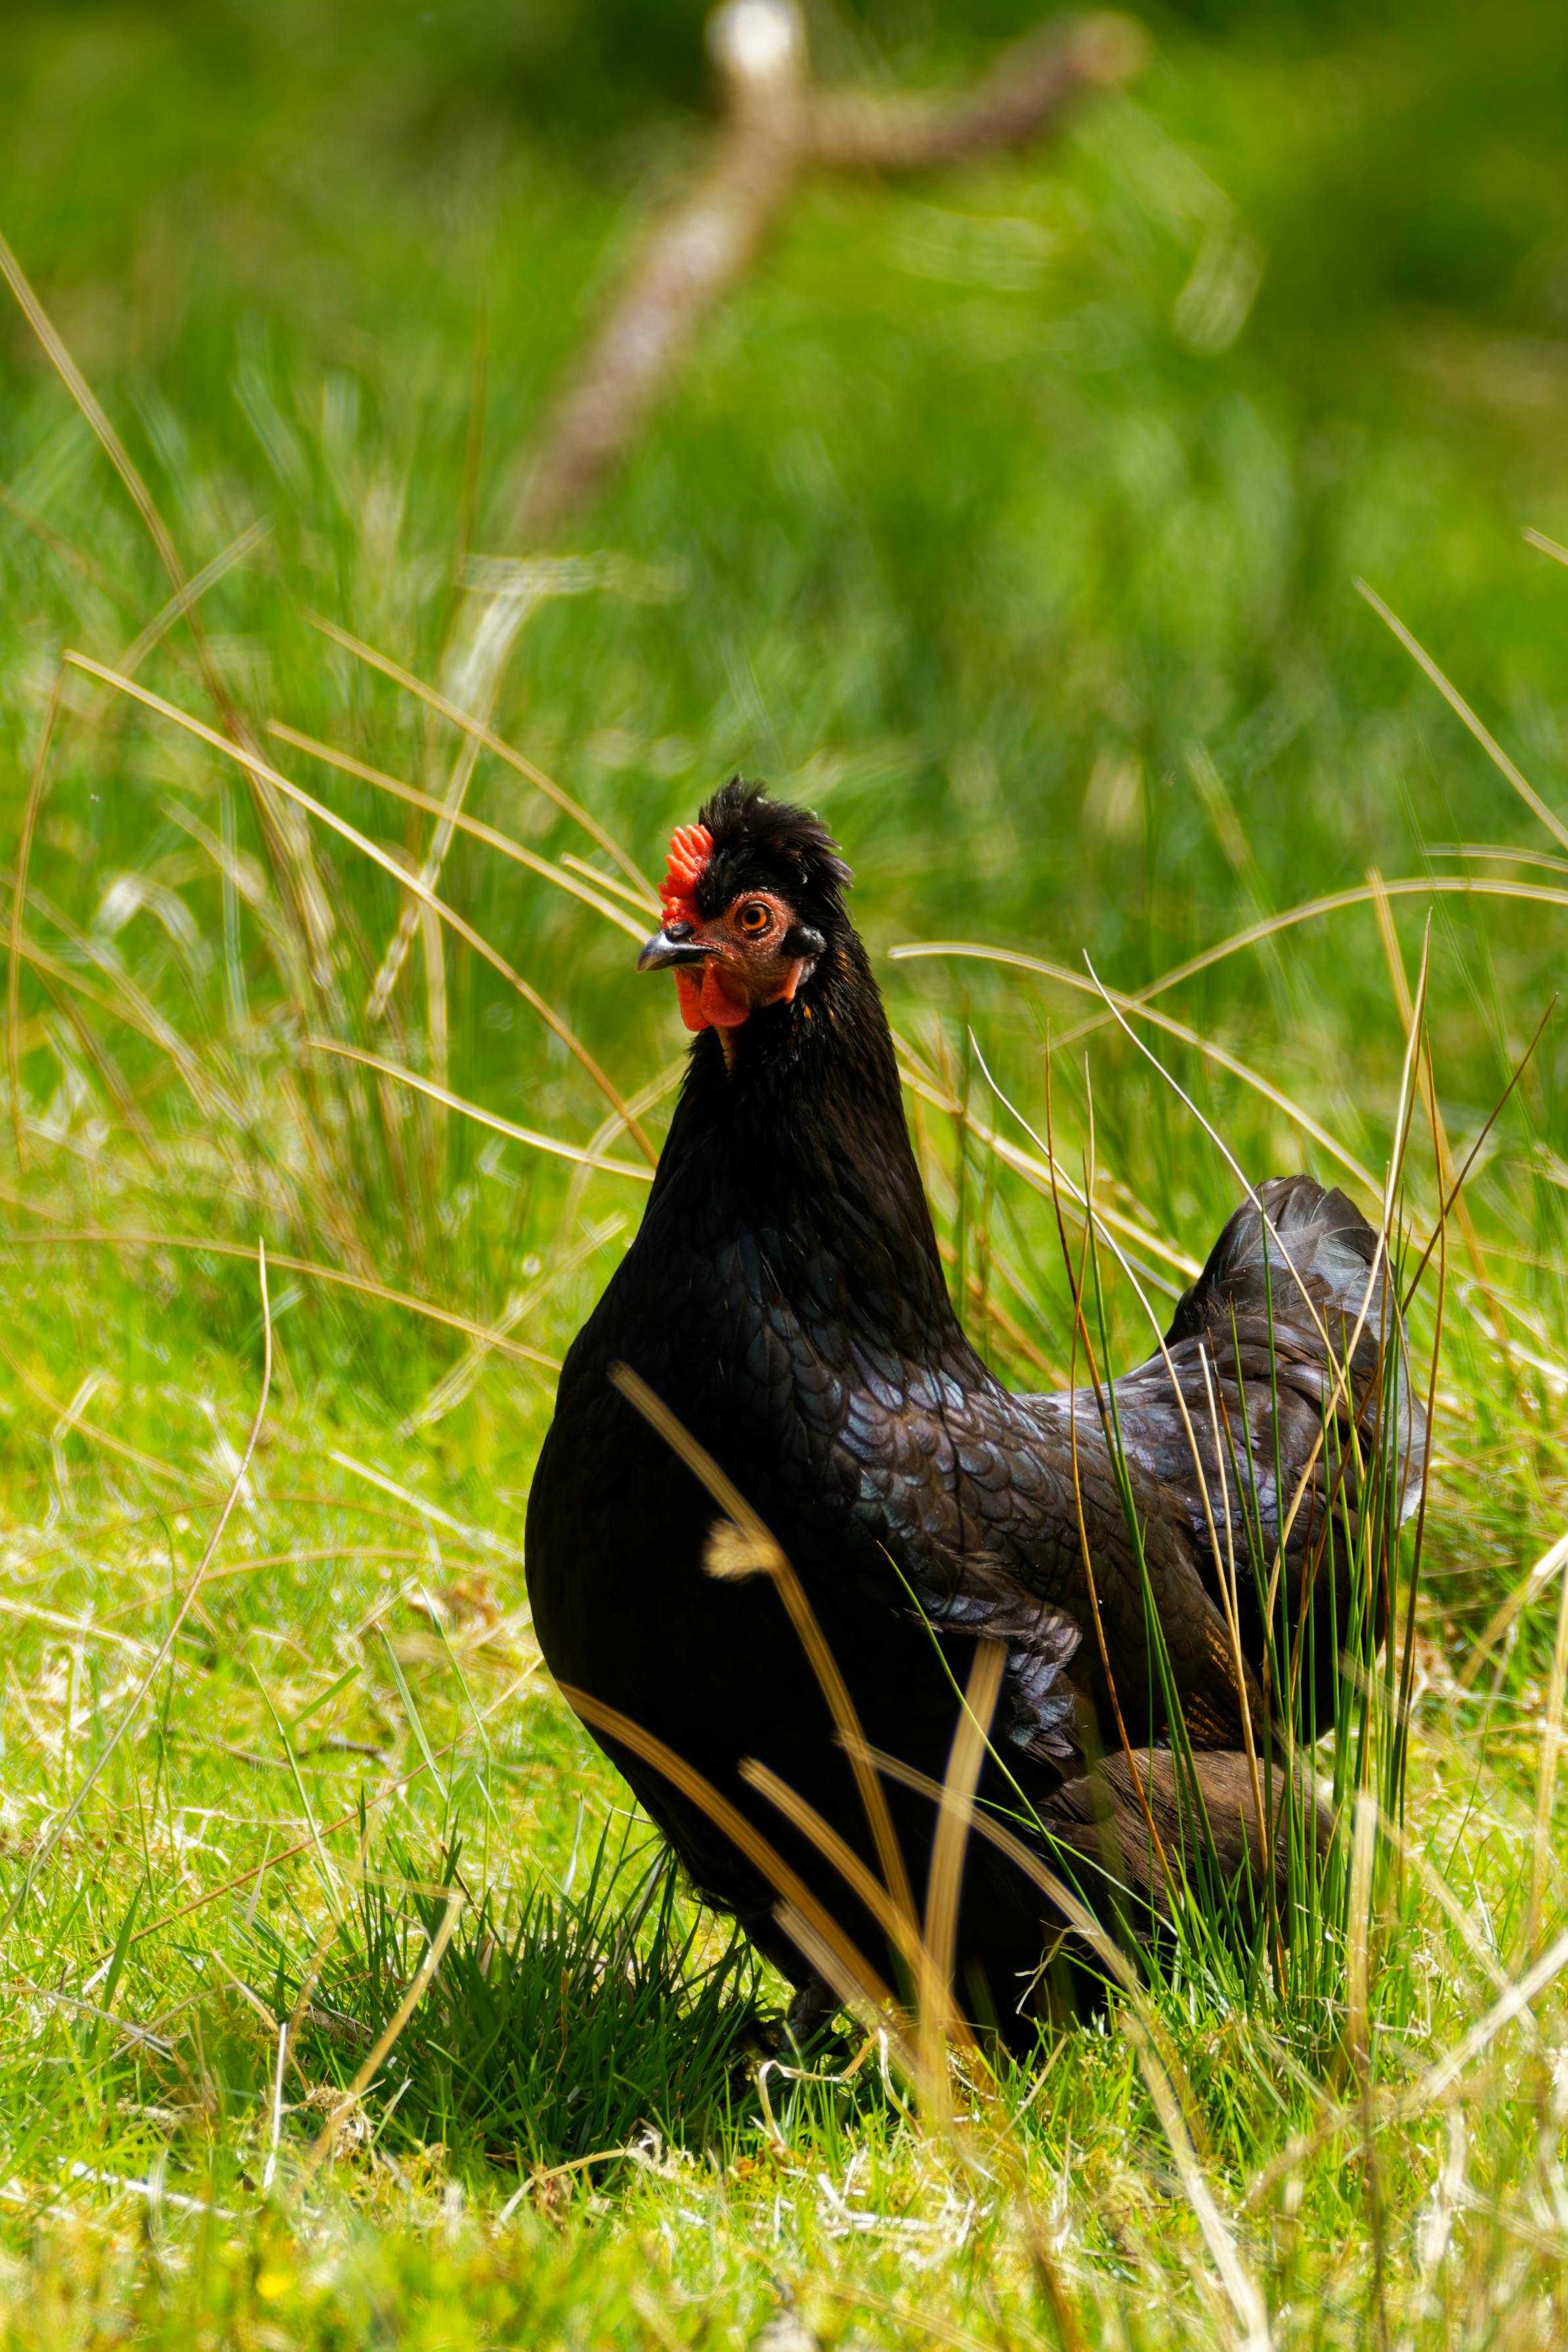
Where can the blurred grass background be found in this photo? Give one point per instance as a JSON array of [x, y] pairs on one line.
[[1010, 516]]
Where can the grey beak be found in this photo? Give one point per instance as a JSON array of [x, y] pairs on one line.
[[673, 945]]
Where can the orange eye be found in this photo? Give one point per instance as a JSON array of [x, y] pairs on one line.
[[754, 916]]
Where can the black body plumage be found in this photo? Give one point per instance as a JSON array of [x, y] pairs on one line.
[[786, 1299]]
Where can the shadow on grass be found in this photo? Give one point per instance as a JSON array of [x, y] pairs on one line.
[[580, 2023]]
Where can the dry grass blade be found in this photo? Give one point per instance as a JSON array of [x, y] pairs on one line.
[[385, 2041], [1474, 1153], [1247, 1690], [81, 392], [546, 2173], [1241, 2288], [1045, 1175], [1018, 962], [130, 1003], [414, 910], [1440, 2078], [1226, 1574], [48, 1844], [764, 1857], [286, 1853], [19, 895], [954, 1814], [1226, 1154], [68, 1417], [1080, 1331], [190, 593], [1546, 1781], [110, 1076], [275, 2133], [623, 890], [537, 1142], [1552, 1562], [1483, 851], [1552, 547], [1429, 885], [329, 1274], [455, 1385], [1407, 1678], [896, 1925], [301, 1556], [132, 1012], [764, 1557], [926, 2326], [294, 866], [255, 766], [1362, 1854], [1460, 1918], [496, 744], [459, 818], [880, 2026], [1456, 703], [436, 1030], [1341, 1390], [1450, 1189], [1429, 2090], [1158, 2062], [1058, 1893], [135, 2035], [80, 1628]]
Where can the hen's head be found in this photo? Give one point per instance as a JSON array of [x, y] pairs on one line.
[[752, 896]]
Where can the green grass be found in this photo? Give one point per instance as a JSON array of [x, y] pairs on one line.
[[1012, 519]]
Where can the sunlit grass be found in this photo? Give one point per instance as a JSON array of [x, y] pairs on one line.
[[1062, 686]]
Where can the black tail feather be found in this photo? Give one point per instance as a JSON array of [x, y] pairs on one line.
[[1284, 1370]]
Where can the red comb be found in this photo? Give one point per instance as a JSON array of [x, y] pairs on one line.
[[691, 847]]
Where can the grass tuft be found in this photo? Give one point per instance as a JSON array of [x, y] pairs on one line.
[[568, 2029]]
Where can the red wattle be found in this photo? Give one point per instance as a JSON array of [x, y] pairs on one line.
[[710, 998], [721, 1009], [689, 996]]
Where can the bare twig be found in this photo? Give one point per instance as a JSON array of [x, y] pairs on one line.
[[778, 129]]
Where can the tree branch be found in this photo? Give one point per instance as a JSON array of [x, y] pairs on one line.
[[777, 128]]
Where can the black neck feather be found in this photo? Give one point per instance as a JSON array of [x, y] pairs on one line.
[[803, 1142]]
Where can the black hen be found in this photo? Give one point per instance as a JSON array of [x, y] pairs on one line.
[[786, 1301]]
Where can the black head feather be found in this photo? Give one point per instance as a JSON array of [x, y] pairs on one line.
[[766, 844]]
